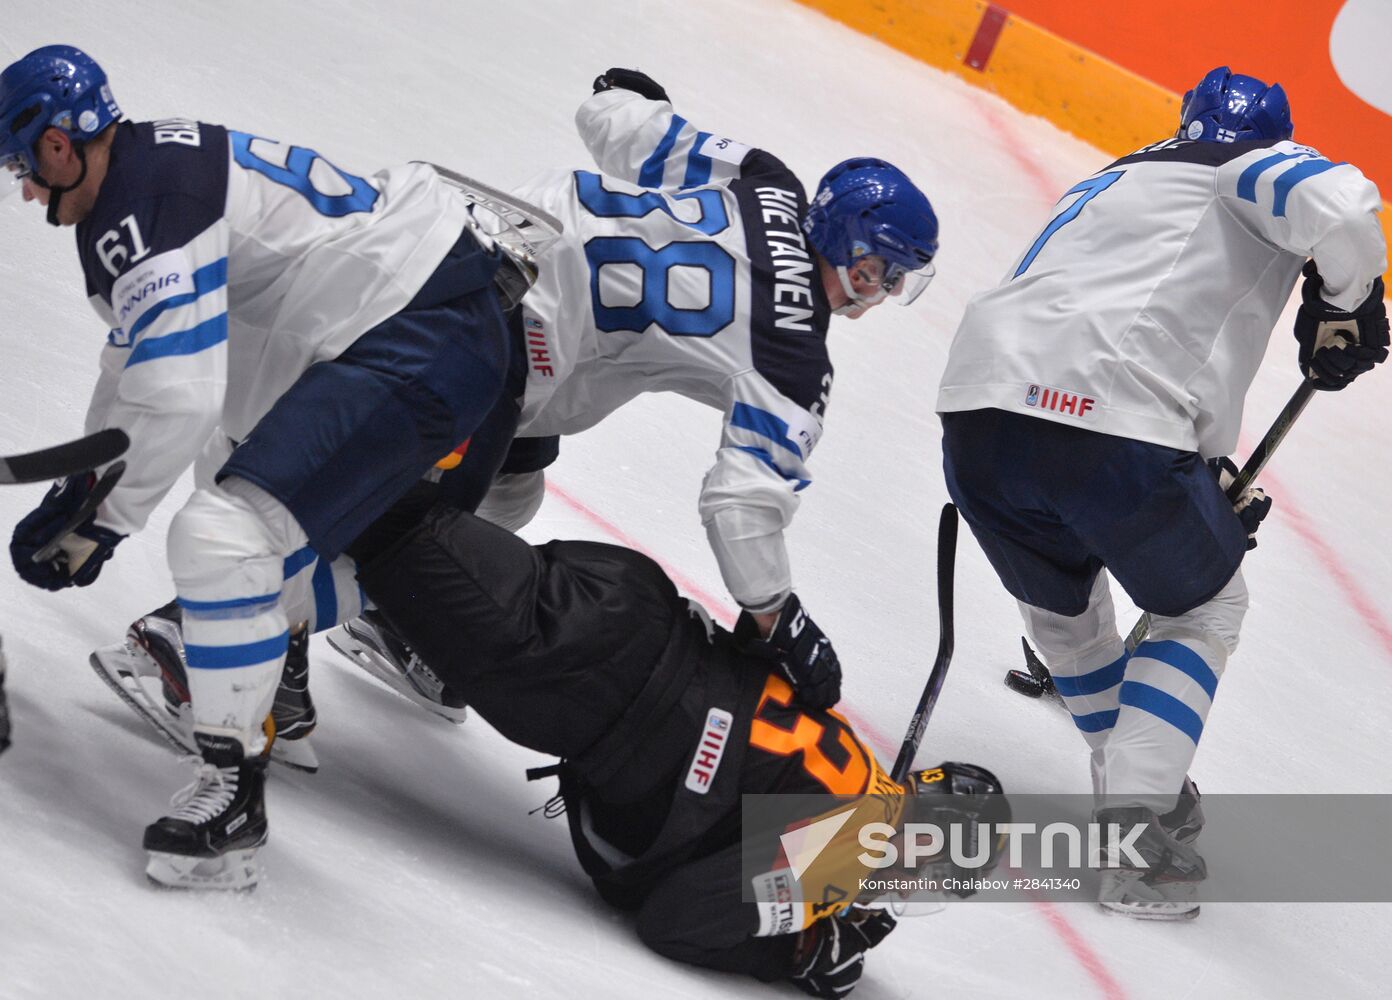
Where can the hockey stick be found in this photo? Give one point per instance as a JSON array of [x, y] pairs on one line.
[[65, 459], [947, 555], [1034, 681], [90, 503]]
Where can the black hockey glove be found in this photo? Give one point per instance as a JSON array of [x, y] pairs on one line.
[[1336, 346], [1251, 507], [801, 651], [830, 956], [85, 549], [630, 79]]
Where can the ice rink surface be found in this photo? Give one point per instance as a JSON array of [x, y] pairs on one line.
[[409, 865]]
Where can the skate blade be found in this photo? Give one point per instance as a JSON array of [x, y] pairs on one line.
[[1128, 895], [297, 754], [126, 671], [1148, 910], [135, 679], [375, 664], [235, 871]]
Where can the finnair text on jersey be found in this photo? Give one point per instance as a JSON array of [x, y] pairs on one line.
[[791, 262]]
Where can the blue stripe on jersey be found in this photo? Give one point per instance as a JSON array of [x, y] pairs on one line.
[[206, 279], [1163, 706], [698, 165], [1247, 181], [207, 334], [325, 597], [650, 175], [207, 607], [1294, 176], [1183, 659], [1093, 682], [298, 560], [767, 459], [247, 654], [764, 424]]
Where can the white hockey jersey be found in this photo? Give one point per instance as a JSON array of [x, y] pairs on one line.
[[683, 269], [1144, 307], [225, 265]]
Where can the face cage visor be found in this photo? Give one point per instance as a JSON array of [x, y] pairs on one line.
[[887, 280]]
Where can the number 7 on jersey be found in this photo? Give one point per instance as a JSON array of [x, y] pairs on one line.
[[1088, 189]]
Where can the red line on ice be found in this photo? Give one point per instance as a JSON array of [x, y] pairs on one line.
[[718, 609], [1344, 579], [1081, 950], [1046, 186]]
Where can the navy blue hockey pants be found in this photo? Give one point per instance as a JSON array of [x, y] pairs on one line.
[[355, 433]]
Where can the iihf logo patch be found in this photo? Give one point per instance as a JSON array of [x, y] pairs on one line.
[[709, 751], [1061, 401], [1195, 129]]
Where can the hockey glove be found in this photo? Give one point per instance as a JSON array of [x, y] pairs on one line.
[[830, 955], [630, 79], [84, 549], [801, 651], [1336, 346], [1251, 507]]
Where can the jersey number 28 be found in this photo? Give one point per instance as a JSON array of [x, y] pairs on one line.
[[654, 305]]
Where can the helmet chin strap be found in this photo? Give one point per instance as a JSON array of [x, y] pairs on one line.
[[857, 301], [55, 192]]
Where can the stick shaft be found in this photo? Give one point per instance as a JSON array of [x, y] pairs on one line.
[[947, 556]]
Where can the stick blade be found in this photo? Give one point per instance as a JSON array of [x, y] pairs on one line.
[[65, 459]]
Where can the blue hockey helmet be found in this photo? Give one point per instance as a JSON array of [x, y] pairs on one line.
[[1230, 107], [57, 86], [867, 207]]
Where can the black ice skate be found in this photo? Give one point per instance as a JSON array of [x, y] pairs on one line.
[[1168, 890], [370, 643], [210, 839], [149, 673]]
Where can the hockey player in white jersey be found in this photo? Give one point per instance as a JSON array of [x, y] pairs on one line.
[[343, 332], [693, 263], [1082, 396]]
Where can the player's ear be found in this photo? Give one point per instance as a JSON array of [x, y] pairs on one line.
[[54, 143], [864, 276]]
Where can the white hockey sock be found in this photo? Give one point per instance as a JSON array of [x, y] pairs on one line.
[[1165, 699]]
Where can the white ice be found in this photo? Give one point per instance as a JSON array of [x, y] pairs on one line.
[[409, 865]]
